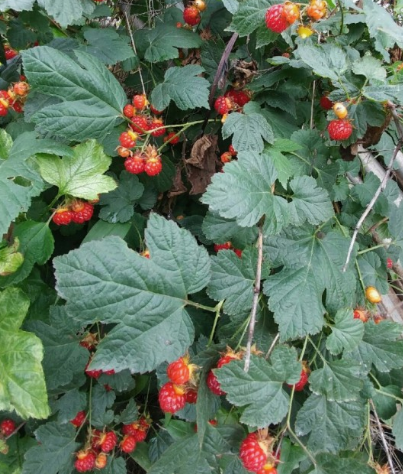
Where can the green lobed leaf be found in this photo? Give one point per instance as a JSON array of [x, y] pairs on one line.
[[22, 383], [249, 129], [397, 429], [69, 13], [118, 205], [381, 346], [145, 297], [107, 45], [69, 404], [249, 16], [220, 230], [93, 99], [347, 332], [282, 164], [101, 400], [326, 60], [331, 426], [385, 401], [81, 176], [54, 453], [331, 464], [291, 456], [371, 68], [184, 86], [339, 380], [17, 5], [10, 259], [36, 246], [261, 389]]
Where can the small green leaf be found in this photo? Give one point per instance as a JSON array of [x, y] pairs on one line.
[[261, 389], [119, 204], [326, 60], [284, 166], [69, 404], [385, 403], [81, 176], [347, 332], [249, 16], [184, 86], [331, 464], [397, 429], [248, 129], [54, 454], [371, 68], [331, 426], [22, 383], [291, 456], [10, 259], [107, 45]]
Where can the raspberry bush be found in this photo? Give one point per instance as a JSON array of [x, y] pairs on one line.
[[195, 244]]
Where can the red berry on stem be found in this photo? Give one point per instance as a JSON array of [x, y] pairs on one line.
[[252, 455], [7, 427], [140, 101], [275, 20], [170, 138], [213, 384], [84, 215], [153, 166], [128, 139], [10, 54], [223, 105], [79, 419], [326, 103], [157, 124], [3, 110], [299, 386], [85, 461], [171, 398], [191, 16], [225, 246], [232, 150], [139, 124], [226, 157], [389, 263], [94, 374], [108, 441], [340, 129], [191, 396], [62, 216], [128, 444], [178, 371], [129, 111], [155, 111], [135, 164], [101, 461]]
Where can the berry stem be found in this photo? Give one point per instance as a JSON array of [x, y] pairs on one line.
[[256, 293], [217, 316], [201, 306], [379, 246]]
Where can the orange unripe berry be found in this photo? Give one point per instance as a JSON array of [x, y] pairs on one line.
[[373, 295], [340, 110]]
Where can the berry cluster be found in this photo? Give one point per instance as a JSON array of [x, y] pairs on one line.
[[13, 98], [181, 388], [212, 382], [76, 211], [227, 156], [191, 14], [256, 453], [232, 100], [148, 161], [227, 246], [340, 129], [281, 16]]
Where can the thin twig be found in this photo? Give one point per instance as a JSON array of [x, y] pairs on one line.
[[384, 442], [381, 187], [256, 293], [272, 346], [129, 29]]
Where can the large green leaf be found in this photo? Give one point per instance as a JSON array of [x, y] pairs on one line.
[[17, 5], [331, 426], [93, 99], [347, 332], [81, 176], [284, 166], [22, 383], [381, 346], [36, 246], [311, 263], [145, 297], [327, 60], [331, 464], [184, 86], [162, 42], [54, 454], [69, 13], [249, 129], [107, 45], [249, 16], [338, 380], [220, 230], [261, 389]]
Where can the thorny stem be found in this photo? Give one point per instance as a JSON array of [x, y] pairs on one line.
[[217, 317], [256, 293], [384, 442], [129, 29], [381, 186]]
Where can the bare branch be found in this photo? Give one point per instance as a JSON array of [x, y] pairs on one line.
[[272, 346], [256, 293], [381, 187], [384, 442]]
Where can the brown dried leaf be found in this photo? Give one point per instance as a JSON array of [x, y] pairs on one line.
[[202, 163]]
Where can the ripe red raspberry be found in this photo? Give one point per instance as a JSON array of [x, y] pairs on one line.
[[232, 150], [128, 429], [18, 107], [275, 20], [340, 129], [101, 461], [169, 138], [191, 396], [79, 419], [226, 157], [252, 455], [140, 429], [128, 444], [85, 461], [240, 97], [139, 124], [223, 105], [291, 12], [129, 111], [128, 139], [94, 374], [299, 386], [389, 263], [10, 54], [191, 16], [238, 252], [135, 164], [326, 103], [21, 88], [157, 123], [225, 246], [155, 111], [7, 427], [107, 441], [3, 110], [226, 359], [109, 372], [84, 215], [62, 216], [153, 166], [171, 398], [213, 384], [89, 341], [140, 101], [179, 371]]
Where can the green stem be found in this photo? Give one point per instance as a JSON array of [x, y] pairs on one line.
[[373, 248], [217, 316], [246, 324], [317, 351], [359, 275], [201, 306]]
